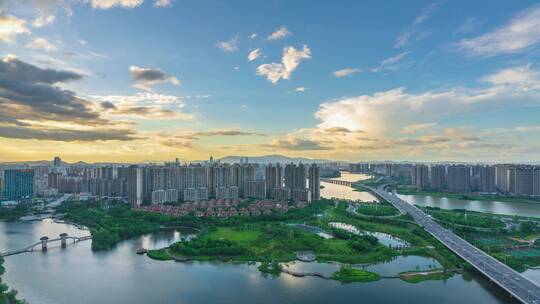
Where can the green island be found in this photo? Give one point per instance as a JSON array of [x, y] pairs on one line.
[[429, 275], [7, 296], [276, 238], [267, 239], [349, 275]]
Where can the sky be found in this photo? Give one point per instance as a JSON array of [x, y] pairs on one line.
[[140, 80]]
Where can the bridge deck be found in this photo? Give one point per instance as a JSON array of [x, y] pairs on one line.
[[32, 246], [508, 279]]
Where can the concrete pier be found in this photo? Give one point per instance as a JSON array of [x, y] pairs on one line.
[[63, 237], [44, 240]]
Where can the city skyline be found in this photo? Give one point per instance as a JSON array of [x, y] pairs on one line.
[[134, 80]]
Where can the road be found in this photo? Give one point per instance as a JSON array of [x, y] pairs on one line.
[[508, 279]]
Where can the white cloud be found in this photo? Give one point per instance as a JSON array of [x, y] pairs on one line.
[[256, 53], [414, 32], [41, 44], [522, 32], [229, 46], [11, 27], [106, 4], [163, 3], [42, 21], [280, 33], [289, 62], [253, 36], [521, 76], [300, 90], [346, 72], [390, 63]]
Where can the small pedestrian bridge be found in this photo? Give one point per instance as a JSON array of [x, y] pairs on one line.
[[44, 241]]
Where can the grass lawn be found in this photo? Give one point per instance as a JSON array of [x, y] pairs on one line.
[[417, 277], [232, 234]]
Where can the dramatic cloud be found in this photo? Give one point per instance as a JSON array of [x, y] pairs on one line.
[[280, 33], [33, 106], [11, 27], [346, 72], [229, 46], [256, 53], [391, 63], [522, 32], [41, 44], [106, 4], [289, 62], [144, 78], [144, 105], [42, 21], [394, 121]]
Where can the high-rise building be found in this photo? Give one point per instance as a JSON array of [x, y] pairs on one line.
[[57, 162], [18, 184], [502, 177], [315, 182], [459, 178], [521, 180], [256, 189], [135, 185], [420, 176], [486, 179], [438, 177], [536, 181], [301, 195], [290, 171], [300, 177], [274, 178]]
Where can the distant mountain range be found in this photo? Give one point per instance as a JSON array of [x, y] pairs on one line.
[[275, 158]]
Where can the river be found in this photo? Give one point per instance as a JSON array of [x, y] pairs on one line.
[[78, 275]]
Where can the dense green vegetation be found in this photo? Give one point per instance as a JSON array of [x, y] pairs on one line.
[[12, 214], [376, 210], [464, 217], [270, 267], [349, 275], [473, 197], [110, 225], [7, 296]]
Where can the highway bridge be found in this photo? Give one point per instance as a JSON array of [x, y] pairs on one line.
[[44, 241], [337, 182], [513, 282]]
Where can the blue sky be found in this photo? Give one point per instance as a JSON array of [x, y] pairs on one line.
[[349, 80]]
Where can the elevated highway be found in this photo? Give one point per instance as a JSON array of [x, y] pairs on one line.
[[508, 279]]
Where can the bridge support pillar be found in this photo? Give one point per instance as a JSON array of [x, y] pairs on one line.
[[44, 241], [63, 239]]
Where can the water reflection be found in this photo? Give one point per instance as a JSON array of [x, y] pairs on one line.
[[522, 209]]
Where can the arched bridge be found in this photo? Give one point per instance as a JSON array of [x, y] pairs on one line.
[[44, 241]]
